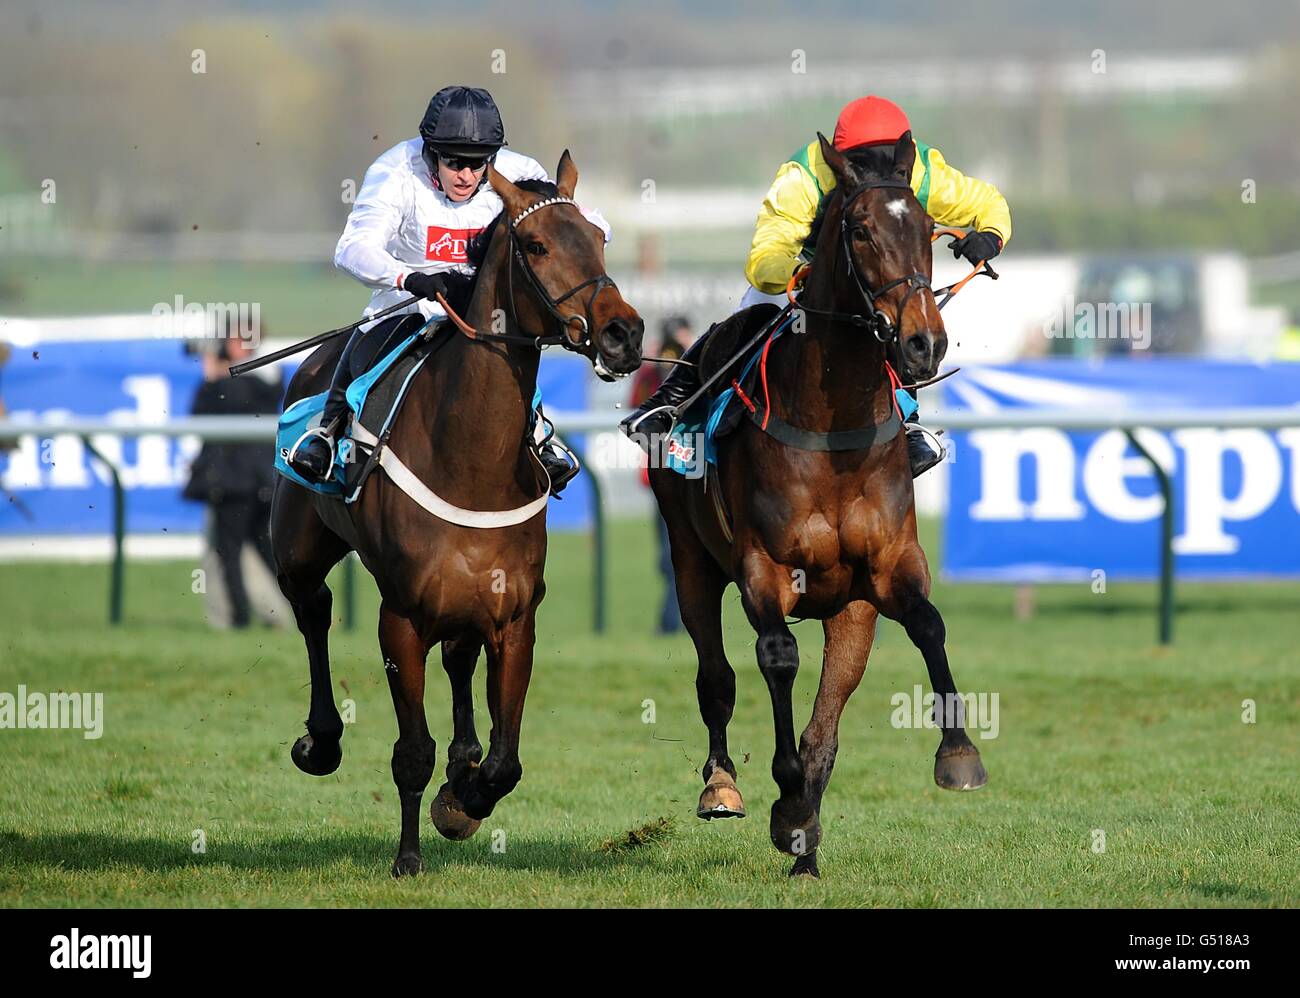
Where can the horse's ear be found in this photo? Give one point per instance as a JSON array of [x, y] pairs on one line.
[[566, 175], [515, 199], [904, 156], [845, 174]]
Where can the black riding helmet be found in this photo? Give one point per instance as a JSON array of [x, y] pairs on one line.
[[461, 121]]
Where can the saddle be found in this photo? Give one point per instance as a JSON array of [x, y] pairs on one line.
[[375, 397], [377, 405]]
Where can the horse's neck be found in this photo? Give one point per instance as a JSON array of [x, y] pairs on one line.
[[832, 376], [475, 410]]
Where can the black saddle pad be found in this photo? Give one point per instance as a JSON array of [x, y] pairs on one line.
[[385, 398], [727, 337]]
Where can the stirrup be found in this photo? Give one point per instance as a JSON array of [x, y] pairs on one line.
[[553, 448], [936, 445], [315, 431], [632, 423]]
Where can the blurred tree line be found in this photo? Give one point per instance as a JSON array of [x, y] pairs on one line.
[[296, 100]]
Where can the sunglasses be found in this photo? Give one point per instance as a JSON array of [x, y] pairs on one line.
[[458, 163]]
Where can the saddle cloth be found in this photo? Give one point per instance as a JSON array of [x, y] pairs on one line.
[[374, 399]]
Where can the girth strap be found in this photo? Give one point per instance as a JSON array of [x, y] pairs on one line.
[[836, 440]]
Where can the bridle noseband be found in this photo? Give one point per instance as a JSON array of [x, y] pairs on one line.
[[882, 327], [585, 321]]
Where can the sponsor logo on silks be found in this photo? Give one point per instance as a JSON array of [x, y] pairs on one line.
[[92, 952], [448, 245], [683, 452]]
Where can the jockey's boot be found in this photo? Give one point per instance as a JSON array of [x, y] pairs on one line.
[[924, 448], [561, 464], [313, 455], [557, 466], [654, 418]]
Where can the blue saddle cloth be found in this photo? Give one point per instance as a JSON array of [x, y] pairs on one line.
[[306, 413], [700, 427]]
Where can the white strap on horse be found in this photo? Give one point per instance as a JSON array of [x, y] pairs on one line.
[[405, 479]]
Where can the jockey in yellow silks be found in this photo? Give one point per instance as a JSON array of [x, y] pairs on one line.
[[780, 244]]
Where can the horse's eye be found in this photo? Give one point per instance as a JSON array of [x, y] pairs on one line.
[[860, 233], [536, 248]]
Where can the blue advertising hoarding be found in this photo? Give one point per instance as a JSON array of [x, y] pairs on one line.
[[1042, 504], [54, 487]]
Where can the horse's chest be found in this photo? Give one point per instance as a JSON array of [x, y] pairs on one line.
[[823, 535]]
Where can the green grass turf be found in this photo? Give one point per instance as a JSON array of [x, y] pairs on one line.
[[1100, 729]]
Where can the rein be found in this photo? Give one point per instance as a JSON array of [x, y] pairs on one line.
[[882, 327]]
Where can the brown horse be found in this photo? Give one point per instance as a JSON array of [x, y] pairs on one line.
[[463, 432], [823, 523]]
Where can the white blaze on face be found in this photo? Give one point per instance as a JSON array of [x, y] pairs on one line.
[[897, 207]]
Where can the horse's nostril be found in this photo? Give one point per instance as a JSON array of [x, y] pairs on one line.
[[621, 332]]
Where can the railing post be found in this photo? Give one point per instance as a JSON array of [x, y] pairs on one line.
[[1166, 628], [117, 578]]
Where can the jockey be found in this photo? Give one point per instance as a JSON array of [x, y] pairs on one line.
[[420, 204], [785, 220]]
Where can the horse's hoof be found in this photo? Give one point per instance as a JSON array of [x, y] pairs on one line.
[[316, 758], [448, 817], [960, 769], [795, 829], [721, 798], [805, 868], [408, 865]]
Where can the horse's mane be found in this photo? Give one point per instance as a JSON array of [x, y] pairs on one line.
[[875, 162]]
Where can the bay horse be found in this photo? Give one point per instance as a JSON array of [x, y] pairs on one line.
[[463, 431], [823, 525]]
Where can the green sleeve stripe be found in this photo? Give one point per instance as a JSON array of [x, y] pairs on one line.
[[923, 195], [804, 159]]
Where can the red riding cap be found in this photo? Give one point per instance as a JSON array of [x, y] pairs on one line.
[[869, 119]]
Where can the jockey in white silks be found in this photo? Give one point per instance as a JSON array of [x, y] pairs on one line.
[[419, 206]]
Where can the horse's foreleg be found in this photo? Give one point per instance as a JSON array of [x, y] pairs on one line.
[[414, 751], [459, 657], [700, 584], [768, 593], [849, 635], [957, 764], [510, 666]]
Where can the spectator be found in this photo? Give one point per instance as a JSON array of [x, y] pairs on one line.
[[235, 479]]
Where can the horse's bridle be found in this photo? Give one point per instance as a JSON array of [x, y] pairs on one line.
[[586, 320], [882, 327]]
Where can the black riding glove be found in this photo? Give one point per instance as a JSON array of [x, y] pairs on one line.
[[977, 246], [425, 285]]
